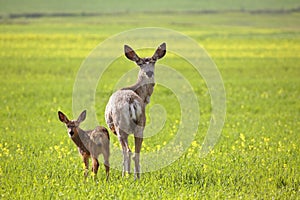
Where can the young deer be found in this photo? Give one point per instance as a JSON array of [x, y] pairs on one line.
[[90, 143], [125, 111]]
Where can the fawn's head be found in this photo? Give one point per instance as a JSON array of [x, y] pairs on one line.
[[72, 125], [146, 64]]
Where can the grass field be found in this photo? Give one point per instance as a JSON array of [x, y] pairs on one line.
[[132, 6], [257, 155]]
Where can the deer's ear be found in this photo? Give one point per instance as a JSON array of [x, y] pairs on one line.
[[130, 54], [62, 117], [160, 52], [81, 117]]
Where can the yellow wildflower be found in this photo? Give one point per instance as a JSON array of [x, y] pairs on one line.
[[242, 137]]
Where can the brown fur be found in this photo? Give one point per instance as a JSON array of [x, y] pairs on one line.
[[90, 143], [125, 111]]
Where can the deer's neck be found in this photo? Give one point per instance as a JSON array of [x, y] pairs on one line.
[[80, 139], [143, 87]]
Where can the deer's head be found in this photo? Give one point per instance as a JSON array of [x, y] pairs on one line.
[[146, 64], [72, 125]]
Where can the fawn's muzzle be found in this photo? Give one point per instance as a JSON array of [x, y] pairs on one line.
[[71, 132]]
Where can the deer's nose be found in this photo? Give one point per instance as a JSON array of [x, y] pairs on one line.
[[149, 74], [71, 132]]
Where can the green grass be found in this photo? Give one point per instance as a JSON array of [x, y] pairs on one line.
[[133, 6], [257, 155]]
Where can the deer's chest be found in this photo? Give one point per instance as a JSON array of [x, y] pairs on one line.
[[81, 147]]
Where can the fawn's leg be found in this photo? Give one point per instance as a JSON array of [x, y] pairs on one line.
[[106, 164], [138, 145], [85, 159], [126, 154], [95, 166]]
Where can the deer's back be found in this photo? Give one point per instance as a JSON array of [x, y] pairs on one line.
[[125, 111], [98, 140]]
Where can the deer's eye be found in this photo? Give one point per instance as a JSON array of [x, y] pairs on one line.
[[140, 62], [149, 60]]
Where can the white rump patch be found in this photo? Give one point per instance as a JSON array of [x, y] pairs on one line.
[[135, 110], [132, 112]]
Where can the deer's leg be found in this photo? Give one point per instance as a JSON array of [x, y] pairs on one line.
[[106, 164], [95, 166], [126, 154], [138, 145], [85, 159]]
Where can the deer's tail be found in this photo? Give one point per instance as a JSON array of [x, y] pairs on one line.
[[135, 110]]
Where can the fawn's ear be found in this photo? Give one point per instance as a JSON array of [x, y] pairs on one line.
[[81, 117], [130, 54], [62, 117], [160, 52]]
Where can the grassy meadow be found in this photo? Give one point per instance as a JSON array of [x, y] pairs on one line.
[[257, 54]]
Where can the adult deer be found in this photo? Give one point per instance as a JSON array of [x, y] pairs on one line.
[[90, 143], [125, 111]]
